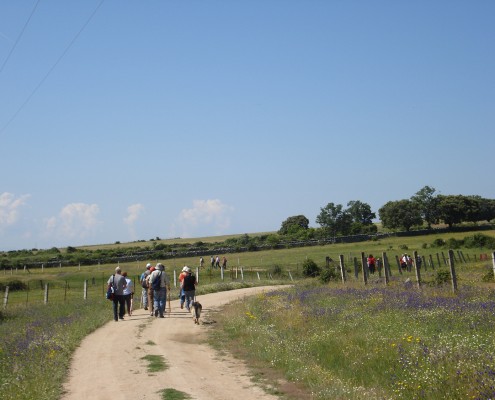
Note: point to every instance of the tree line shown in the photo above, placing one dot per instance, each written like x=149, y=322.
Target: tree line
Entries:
x=425, y=207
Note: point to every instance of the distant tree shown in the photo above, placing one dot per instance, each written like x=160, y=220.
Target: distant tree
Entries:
x=487, y=209
x=293, y=224
x=361, y=212
x=334, y=219
x=452, y=209
x=428, y=204
x=401, y=214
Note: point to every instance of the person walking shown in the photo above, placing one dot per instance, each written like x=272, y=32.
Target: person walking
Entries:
x=128, y=293
x=224, y=262
x=371, y=264
x=182, y=296
x=144, y=286
x=212, y=260
x=150, y=291
x=117, y=281
x=159, y=283
x=201, y=262
x=189, y=286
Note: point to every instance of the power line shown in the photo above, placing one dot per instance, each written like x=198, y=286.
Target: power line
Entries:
x=19, y=36
x=52, y=68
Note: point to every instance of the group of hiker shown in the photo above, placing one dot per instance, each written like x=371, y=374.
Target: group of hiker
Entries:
x=123, y=293
x=215, y=262
x=155, y=284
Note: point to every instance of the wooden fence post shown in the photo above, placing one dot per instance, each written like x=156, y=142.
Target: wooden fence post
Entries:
x=384, y=261
x=416, y=267
x=242, y=274
x=342, y=268
x=397, y=260
x=452, y=271
x=424, y=262
x=6, y=297
x=444, y=259
x=197, y=274
x=438, y=260
x=493, y=262
x=431, y=262
x=364, y=266
x=356, y=268
x=85, y=289
x=46, y=293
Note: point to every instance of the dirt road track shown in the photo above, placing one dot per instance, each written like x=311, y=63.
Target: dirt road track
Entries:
x=108, y=363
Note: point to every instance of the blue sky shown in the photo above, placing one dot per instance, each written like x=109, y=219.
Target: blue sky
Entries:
x=199, y=118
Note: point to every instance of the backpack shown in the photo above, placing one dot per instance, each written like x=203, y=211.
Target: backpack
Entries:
x=156, y=283
x=144, y=284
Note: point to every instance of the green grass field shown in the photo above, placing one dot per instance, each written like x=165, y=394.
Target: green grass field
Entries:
x=334, y=340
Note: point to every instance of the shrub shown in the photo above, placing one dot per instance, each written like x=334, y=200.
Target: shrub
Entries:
x=454, y=243
x=438, y=243
x=403, y=247
x=479, y=240
x=488, y=276
x=442, y=277
x=328, y=274
x=276, y=270
x=310, y=269
x=424, y=246
x=13, y=286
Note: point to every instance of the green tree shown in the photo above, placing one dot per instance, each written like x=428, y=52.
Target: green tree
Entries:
x=294, y=224
x=334, y=219
x=427, y=201
x=361, y=212
x=452, y=209
x=401, y=214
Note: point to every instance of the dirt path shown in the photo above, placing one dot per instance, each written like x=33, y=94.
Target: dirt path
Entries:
x=108, y=363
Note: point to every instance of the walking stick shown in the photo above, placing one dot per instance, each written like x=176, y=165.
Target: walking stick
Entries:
x=169, y=306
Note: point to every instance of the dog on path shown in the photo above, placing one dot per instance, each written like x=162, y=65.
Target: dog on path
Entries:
x=196, y=308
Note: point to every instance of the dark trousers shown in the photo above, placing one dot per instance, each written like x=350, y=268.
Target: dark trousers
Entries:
x=118, y=306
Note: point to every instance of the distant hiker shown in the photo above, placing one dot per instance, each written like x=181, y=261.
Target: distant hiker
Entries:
x=201, y=262
x=144, y=286
x=217, y=262
x=371, y=264
x=150, y=292
x=182, y=296
x=118, y=283
x=189, y=286
x=224, y=262
x=128, y=293
x=159, y=284
x=212, y=260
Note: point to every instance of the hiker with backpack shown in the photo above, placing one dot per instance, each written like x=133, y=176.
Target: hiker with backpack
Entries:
x=189, y=286
x=159, y=284
x=117, y=281
x=144, y=286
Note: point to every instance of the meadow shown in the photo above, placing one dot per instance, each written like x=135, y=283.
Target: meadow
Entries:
x=336, y=340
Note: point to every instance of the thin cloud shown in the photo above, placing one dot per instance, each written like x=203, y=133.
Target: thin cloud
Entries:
x=9, y=208
x=206, y=216
x=134, y=211
x=75, y=221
